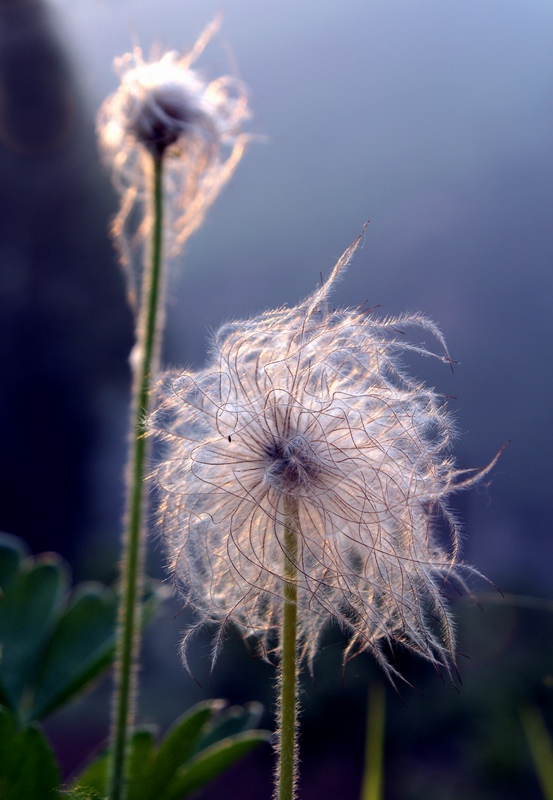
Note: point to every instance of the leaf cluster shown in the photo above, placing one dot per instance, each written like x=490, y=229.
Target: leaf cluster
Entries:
x=55, y=641
x=199, y=746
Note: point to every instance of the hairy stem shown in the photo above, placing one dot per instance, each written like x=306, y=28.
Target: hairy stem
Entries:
x=128, y=634
x=287, y=752
x=373, y=777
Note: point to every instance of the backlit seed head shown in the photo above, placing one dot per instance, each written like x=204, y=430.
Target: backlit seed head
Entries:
x=164, y=104
x=311, y=409
x=165, y=109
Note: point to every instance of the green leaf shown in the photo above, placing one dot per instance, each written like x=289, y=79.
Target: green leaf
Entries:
x=93, y=777
x=174, y=751
x=51, y=650
x=141, y=758
x=176, y=767
x=210, y=763
x=154, y=593
x=82, y=793
x=28, y=612
x=12, y=552
x=231, y=721
x=81, y=647
x=28, y=768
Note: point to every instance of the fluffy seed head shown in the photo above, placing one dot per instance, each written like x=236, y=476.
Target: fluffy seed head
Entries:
x=163, y=108
x=162, y=104
x=311, y=409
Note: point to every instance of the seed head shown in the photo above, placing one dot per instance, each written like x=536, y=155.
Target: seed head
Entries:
x=311, y=409
x=165, y=109
x=162, y=104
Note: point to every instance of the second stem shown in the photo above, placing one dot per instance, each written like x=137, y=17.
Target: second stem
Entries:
x=287, y=755
x=145, y=368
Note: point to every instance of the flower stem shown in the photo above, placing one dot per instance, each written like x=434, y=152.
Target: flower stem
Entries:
x=287, y=753
x=128, y=633
x=372, y=786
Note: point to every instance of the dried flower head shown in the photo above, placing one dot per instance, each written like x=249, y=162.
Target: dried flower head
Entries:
x=163, y=108
x=310, y=409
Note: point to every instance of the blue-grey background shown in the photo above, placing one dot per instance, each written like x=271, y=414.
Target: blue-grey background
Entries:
x=433, y=119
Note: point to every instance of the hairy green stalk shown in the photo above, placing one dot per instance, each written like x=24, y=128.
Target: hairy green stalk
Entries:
x=287, y=747
x=541, y=748
x=373, y=777
x=128, y=633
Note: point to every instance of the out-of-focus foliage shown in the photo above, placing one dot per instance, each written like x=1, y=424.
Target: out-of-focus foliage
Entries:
x=541, y=747
x=199, y=746
x=28, y=768
x=55, y=639
x=54, y=642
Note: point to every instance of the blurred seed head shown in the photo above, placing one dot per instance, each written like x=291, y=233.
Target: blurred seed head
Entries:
x=164, y=109
x=162, y=104
x=313, y=406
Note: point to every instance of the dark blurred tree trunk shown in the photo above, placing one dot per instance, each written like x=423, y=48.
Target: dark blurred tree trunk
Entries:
x=65, y=331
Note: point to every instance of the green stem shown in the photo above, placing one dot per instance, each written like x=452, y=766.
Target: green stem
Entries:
x=541, y=748
x=373, y=778
x=128, y=634
x=287, y=766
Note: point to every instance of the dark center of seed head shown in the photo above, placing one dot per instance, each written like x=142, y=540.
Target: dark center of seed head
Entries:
x=158, y=132
x=291, y=463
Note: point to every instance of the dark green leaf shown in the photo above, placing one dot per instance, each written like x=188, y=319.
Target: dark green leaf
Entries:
x=28, y=612
x=83, y=644
x=140, y=760
x=175, y=768
x=81, y=647
x=12, y=552
x=233, y=720
x=82, y=793
x=153, y=595
x=50, y=652
x=28, y=768
x=7, y=735
x=174, y=751
x=93, y=777
x=211, y=762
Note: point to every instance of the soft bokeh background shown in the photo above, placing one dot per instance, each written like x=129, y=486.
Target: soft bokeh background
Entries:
x=432, y=119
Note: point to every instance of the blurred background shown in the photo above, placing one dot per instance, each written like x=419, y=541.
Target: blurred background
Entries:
x=434, y=121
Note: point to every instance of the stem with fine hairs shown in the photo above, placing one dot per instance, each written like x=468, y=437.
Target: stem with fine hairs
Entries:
x=128, y=631
x=288, y=678
x=373, y=774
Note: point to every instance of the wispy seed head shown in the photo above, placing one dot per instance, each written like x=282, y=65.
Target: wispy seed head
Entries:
x=162, y=104
x=163, y=108
x=314, y=407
